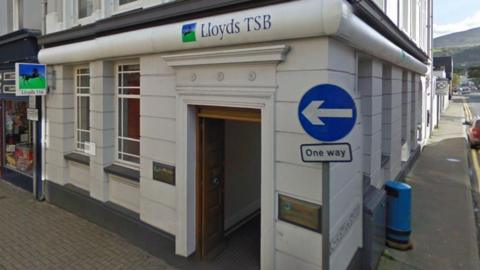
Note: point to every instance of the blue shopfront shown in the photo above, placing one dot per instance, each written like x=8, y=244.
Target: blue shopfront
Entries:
x=20, y=147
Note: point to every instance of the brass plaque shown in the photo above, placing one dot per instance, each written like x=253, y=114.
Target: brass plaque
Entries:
x=163, y=173
x=300, y=213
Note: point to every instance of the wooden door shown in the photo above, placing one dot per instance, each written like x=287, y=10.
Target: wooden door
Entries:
x=212, y=185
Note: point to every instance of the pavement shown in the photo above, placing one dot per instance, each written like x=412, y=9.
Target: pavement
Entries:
x=443, y=221
x=38, y=235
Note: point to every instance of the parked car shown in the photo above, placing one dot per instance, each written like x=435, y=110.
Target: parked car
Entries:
x=465, y=90
x=473, y=133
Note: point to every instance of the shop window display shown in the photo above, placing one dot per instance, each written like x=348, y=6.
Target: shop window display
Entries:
x=18, y=137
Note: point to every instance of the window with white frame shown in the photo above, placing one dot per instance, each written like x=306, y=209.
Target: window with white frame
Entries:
x=84, y=8
x=392, y=10
x=82, y=108
x=124, y=2
x=126, y=5
x=128, y=112
x=380, y=4
x=17, y=15
x=405, y=16
x=120, y=6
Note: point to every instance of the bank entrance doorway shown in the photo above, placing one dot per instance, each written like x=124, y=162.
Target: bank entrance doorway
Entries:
x=228, y=183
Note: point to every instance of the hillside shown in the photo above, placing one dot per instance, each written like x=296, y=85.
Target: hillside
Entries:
x=459, y=39
x=464, y=47
x=462, y=57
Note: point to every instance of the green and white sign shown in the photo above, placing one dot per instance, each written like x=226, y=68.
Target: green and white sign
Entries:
x=31, y=79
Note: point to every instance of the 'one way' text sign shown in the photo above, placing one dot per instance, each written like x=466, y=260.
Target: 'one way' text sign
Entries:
x=328, y=152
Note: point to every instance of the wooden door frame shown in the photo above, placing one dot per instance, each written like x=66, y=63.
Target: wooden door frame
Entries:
x=185, y=236
x=213, y=112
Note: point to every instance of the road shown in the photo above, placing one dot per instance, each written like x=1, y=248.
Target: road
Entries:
x=474, y=103
x=472, y=111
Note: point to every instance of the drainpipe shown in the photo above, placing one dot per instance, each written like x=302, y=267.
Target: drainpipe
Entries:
x=41, y=122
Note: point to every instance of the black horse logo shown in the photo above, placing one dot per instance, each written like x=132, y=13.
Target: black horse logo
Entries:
x=33, y=75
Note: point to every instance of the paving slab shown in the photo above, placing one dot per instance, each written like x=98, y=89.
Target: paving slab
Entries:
x=38, y=235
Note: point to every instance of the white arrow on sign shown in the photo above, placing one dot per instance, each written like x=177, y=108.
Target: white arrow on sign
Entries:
x=313, y=113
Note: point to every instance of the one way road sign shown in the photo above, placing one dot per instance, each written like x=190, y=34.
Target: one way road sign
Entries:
x=313, y=113
x=327, y=112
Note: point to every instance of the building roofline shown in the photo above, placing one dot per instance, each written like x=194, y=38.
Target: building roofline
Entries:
x=194, y=9
x=18, y=35
x=368, y=11
x=154, y=16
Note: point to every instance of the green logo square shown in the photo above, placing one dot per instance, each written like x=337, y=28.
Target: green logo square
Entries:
x=188, y=32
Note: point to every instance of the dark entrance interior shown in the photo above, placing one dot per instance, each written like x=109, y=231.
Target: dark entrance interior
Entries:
x=228, y=186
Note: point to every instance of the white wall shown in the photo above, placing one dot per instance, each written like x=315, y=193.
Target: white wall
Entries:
x=242, y=170
x=158, y=136
x=31, y=14
x=79, y=175
x=5, y=17
x=63, y=14
x=165, y=93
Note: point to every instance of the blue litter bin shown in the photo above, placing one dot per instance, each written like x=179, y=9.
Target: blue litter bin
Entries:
x=399, y=209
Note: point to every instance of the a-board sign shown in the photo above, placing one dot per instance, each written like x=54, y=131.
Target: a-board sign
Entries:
x=327, y=112
x=326, y=152
x=30, y=79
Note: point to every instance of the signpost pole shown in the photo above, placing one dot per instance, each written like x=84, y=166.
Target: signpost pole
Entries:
x=35, y=161
x=327, y=113
x=326, y=216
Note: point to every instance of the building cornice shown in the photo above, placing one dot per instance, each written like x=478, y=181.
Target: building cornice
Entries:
x=154, y=16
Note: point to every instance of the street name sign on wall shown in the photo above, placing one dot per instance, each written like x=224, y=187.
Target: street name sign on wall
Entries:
x=327, y=112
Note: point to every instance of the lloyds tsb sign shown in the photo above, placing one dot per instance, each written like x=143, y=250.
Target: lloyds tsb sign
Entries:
x=192, y=31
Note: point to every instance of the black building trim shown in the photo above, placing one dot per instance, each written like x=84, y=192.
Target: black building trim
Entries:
x=369, y=12
x=18, y=46
x=18, y=179
x=19, y=35
x=158, y=15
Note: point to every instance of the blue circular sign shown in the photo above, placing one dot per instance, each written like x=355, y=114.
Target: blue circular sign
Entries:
x=327, y=112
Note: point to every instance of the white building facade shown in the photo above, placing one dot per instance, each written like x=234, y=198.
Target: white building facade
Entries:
x=182, y=118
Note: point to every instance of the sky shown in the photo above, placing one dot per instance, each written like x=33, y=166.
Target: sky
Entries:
x=451, y=16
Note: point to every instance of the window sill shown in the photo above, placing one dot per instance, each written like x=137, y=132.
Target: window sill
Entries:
x=123, y=171
x=79, y=158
